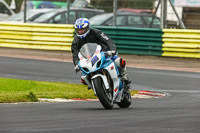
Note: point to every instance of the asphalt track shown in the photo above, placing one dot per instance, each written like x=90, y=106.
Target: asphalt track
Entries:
x=179, y=112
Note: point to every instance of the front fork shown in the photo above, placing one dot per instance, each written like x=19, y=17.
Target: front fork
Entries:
x=88, y=80
x=105, y=81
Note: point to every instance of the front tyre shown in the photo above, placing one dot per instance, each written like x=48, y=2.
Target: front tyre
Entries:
x=105, y=97
x=126, y=100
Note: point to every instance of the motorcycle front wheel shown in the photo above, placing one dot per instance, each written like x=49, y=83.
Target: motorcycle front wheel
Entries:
x=105, y=97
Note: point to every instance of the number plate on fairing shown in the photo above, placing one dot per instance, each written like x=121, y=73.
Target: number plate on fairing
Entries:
x=94, y=60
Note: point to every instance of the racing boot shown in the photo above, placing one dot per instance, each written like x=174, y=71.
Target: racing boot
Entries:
x=121, y=64
x=124, y=75
x=85, y=81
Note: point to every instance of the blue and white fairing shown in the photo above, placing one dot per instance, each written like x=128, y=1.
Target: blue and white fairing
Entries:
x=92, y=59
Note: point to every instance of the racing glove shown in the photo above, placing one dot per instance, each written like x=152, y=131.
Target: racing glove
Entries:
x=76, y=69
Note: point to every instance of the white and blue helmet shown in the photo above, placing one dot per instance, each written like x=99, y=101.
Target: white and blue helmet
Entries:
x=82, y=27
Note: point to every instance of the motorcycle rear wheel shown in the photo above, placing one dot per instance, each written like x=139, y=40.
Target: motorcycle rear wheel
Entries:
x=105, y=98
x=126, y=101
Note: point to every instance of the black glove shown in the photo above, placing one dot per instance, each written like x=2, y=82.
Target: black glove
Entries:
x=76, y=69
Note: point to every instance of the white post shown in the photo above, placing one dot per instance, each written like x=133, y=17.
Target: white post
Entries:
x=162, y=14
x=13, y=5
x=114, y=12
x=68, y=11
x=180, y=21
x=25, y=11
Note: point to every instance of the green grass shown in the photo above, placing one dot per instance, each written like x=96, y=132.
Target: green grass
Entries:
x=14, y=90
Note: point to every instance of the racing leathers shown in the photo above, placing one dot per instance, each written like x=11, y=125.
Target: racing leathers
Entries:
x=94, y=36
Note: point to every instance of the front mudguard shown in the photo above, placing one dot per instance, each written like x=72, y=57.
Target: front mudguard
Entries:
x=104, y=79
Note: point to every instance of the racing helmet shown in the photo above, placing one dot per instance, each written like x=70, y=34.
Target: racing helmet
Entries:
x=82, y=27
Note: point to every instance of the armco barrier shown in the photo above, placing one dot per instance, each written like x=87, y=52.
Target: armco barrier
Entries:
x=36, y=36
x=141, y=41
x=181, y=43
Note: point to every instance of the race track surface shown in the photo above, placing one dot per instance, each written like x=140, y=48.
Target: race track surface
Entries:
x=178, y=112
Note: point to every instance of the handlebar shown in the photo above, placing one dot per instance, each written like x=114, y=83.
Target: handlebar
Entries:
x=110, y=53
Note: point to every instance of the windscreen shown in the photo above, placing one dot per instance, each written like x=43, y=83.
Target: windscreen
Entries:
x=88, y=50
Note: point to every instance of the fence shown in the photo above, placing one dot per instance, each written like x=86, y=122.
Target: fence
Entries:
x=140, y=41
x=36, y=36
x=156, y=42
x=188, y=11
x=181, y=43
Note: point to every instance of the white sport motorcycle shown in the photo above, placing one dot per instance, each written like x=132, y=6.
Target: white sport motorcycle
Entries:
x=102, y=75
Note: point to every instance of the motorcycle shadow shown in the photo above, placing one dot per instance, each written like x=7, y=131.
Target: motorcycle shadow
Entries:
x=101, y=108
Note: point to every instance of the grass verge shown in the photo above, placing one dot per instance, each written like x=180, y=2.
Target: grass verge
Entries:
x=15, y=90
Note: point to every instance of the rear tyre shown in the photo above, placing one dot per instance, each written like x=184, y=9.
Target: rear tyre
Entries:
x=105, y=97
x=126, y=101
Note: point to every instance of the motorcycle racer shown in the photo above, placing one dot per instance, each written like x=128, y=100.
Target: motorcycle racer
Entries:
x=86, y=34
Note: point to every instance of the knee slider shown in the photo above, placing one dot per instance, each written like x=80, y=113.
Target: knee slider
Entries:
x=83, y=80
x=122, y=63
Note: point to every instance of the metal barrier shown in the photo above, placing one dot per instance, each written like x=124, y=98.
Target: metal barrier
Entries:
x=36, y=36
x=181, y=43
x=141, y=41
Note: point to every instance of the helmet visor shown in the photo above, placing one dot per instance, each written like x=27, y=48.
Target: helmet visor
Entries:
x=81, y=31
